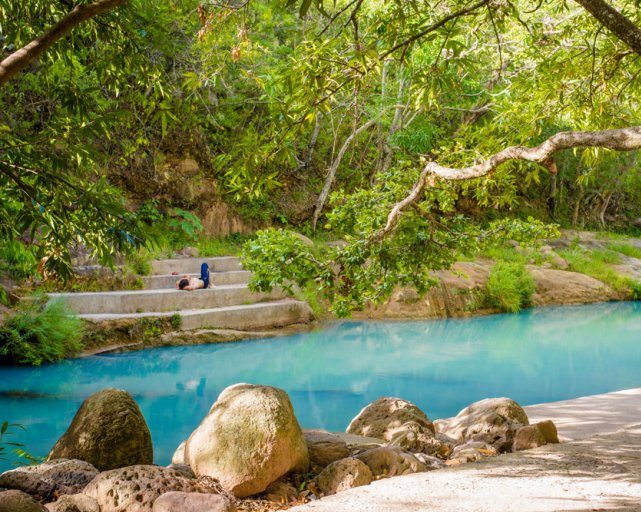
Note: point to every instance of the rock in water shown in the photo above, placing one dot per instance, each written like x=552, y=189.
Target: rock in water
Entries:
x=193, y=502
x=398, y=422
x=249, y=439
x=108, y=431
x=342, y=475
x=136, y=488
x=18, y=501
x=493, y=421
x=324, y=447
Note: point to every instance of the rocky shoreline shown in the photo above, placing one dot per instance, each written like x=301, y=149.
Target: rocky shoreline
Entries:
x=250, y=454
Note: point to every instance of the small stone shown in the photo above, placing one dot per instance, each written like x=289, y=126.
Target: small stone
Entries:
x=281, y=492
x=391, y=461
x=74, y=503
x=548, y=429
x=18, y=501
x=193, y=502
x=528, y=437
x=183, y=469
x=342, y=475
x=108, y=431
x=325, y=448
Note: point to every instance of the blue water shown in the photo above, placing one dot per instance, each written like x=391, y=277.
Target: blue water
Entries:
x=536, y=356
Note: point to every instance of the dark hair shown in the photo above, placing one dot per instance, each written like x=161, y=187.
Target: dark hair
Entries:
x=183, y=283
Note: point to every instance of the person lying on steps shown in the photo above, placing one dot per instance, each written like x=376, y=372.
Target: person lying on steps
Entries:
x=189, y=283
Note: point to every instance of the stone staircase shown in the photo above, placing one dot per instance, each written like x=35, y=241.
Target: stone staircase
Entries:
x=229, y=305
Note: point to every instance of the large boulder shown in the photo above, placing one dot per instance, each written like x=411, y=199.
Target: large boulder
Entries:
x=324, y=447
x=136, y=488
x=193, y=502
x=342, y=475
x=493, y=421
x=74, y=503
x=108, y=431
x=18, y=501
x=249, y=439
x=398, y=422
x=61, y=476
x=387, y=461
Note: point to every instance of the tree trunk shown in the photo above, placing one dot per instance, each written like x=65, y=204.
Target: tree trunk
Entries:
x=20, y=59
x=616, y=22
x=331, y=174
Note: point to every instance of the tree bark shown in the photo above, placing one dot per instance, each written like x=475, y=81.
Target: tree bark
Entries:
x=622, y=139
x=615, y=22
x=21, y=58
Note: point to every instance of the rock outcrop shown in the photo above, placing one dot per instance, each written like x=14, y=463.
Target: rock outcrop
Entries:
x=108, y=431
x=249, y=439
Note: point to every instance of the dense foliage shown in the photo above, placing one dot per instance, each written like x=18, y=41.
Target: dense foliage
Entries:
x=317, y=116
x=39, y=332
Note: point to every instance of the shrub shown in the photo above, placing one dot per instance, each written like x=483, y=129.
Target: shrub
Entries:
x=39, y=332
x=510, y=286
x=17, y=260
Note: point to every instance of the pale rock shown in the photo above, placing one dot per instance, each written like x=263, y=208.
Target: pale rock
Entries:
x=249, y=439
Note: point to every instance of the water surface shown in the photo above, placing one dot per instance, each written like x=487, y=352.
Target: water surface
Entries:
x=539, y=355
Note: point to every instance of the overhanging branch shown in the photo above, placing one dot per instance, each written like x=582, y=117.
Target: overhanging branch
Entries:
x=623, y=139
x=20, y=59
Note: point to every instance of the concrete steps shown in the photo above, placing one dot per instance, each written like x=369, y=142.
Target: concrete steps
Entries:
x=162, y=300
x=247, y=317
x=229, y=305
x=167, y=281
x=192, y=265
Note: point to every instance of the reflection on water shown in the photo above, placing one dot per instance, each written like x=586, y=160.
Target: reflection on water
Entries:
x=536, y=356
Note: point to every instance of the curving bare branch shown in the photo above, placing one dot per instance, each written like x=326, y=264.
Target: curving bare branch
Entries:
x=622, y=139
x=21, y=58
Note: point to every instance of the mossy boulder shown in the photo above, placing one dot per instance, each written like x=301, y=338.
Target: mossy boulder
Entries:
x=249, y=439
x=108, y=431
